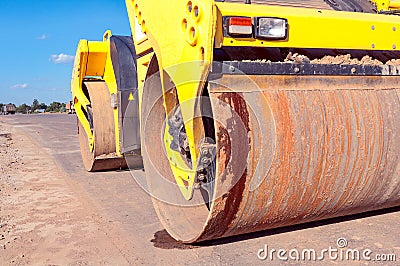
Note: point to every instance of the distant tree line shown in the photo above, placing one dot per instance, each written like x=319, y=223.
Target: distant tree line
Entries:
x=36, y=107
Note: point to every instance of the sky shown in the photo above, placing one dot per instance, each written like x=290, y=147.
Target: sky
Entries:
x=39, y=40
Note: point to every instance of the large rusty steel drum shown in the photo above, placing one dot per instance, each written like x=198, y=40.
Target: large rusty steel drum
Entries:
x=289, y=149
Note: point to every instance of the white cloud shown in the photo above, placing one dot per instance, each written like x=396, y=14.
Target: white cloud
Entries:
x=20, y=86
x=62, y=58
x=42, y=37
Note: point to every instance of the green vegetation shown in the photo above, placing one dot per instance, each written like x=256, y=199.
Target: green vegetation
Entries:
x=36, y=106
x=55, y=107
x=23, y=109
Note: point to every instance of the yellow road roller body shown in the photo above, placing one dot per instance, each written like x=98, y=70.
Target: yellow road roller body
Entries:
x=247, y=115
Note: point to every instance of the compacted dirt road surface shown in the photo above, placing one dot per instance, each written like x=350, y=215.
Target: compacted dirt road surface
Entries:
x=52, y=212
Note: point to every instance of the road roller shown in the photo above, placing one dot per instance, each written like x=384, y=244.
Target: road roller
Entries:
x=247, y=115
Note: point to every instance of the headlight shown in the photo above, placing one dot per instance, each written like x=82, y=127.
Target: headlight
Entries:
x=271, y=28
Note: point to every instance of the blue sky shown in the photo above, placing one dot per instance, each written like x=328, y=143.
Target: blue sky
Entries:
x=39, y=39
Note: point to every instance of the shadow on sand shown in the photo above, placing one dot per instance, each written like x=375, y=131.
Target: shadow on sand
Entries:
x=164, y=241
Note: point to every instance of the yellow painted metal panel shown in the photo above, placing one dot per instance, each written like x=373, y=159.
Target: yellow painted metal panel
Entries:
x=381, y=4
x=93, y=59
x=395, y=5
x=312, y=28
x=385, y=5
x=97, y=56
x=182, y=37
x=80, y=99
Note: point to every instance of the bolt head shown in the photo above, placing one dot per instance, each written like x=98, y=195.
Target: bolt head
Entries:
x=201, y=177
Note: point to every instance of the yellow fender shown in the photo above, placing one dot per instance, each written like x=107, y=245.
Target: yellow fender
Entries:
x=93, y=60
x=385, y=5
x=183, y=43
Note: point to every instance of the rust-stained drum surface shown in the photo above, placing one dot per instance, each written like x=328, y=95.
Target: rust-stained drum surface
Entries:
x=289, y=150
x=312, y=153
x=103, y=156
